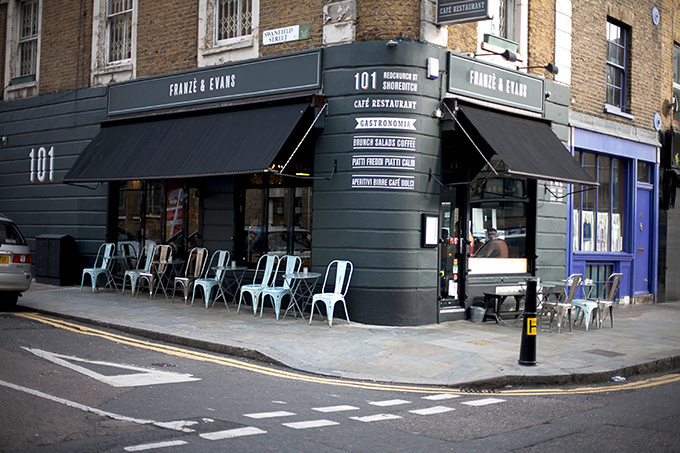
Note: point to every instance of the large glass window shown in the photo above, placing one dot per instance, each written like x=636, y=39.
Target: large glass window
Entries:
x=499, y=225
x=28, y=37
x=119, y=29
x=277, y=218
x=599, y=212
x=617, y=43
x=234, y=18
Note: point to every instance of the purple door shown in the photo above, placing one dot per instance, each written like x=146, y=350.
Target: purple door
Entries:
x=642, y=240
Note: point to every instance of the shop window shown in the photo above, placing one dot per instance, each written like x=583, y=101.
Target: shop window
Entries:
x=617, y=68
x=676, y=86
x=598, y=217
x=499, y=225
x=159, y=213
x=227, y=31
x=644, y=172
x=23, y=56
x=114, y=45
x=598, y=273
x=277, y=219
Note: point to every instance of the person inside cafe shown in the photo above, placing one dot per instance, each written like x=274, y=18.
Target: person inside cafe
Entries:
x=494, y=247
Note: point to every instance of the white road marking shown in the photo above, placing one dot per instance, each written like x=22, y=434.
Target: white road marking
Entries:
x=231, y=433
x=335, y=408
x=270, y=414
x=441, y=396
x=144, y=447
x=388, y=403
x=432, y=410
x=484, y=402
x=311, y=424
x=144, y=376
x=92, y=410
x=376, y=418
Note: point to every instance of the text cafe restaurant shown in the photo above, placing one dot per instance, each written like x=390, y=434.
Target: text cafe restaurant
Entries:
x=399, y=156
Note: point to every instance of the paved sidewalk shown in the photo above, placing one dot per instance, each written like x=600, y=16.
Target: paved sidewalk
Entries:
x=645, y=338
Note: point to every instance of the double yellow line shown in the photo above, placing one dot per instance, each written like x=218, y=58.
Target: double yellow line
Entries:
x=268, y=371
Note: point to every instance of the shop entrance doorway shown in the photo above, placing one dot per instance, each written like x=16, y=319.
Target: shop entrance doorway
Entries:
x=453, y=246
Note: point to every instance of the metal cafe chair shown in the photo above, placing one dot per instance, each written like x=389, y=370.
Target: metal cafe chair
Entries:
x=192, y=271
x=343, y=275
x=154, y=277
x=133, y=274
x=213, y=276
x=277, y=293
x=103, y=265
x=564, y=303
x=268, y=262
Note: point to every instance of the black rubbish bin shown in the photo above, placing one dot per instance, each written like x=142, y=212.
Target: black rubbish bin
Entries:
x=57, y=261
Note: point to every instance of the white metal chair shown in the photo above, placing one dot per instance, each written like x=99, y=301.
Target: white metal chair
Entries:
x=563, y=305
x=600, y=304
x=103, y=264
x=192, y=270
x=586, y=307
x=133, y=274
x=128, y=255
x=213, y=277
x=268, y=262
x=277, y=293
x=343, y=275
x=154, y=277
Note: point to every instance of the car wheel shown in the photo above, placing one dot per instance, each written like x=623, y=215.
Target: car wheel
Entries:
x=8, y=300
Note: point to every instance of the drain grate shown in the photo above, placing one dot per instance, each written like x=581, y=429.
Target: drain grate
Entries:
x=605, y=353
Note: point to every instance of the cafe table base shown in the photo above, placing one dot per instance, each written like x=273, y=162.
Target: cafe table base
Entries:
x=302, y=289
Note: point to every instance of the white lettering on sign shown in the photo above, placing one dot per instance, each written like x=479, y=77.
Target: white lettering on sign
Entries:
x=383, y=142
x=492, y=82
x=461, y=8
x=40, y=162
x=383, y=182
x=400, y=81
x=386, y=123
x=193, y=86
x=390, y=162
x=385, y=104
x=280, y=35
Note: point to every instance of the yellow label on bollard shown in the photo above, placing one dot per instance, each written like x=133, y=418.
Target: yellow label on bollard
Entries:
x=531, y=326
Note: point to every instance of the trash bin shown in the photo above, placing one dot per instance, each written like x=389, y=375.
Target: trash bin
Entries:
x=477, y=313
x=57, y=261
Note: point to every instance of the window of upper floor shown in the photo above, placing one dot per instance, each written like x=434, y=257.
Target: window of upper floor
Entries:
x=114, y=36
x=617, y=93
x=22, y=48
x=228, y=31
x=676, y=86
x=507, y=30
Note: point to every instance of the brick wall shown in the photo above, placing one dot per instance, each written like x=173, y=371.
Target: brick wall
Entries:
x=650, y=53
x=276, y=14
x=541, y=45
x=388, y=19
x=66, y=44
x=463, y=37
x=167, y=37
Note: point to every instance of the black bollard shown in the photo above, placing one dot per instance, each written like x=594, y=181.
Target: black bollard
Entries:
x=527, y=351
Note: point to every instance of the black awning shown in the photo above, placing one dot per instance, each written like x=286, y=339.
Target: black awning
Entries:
x=528, y=147
x=245, y=141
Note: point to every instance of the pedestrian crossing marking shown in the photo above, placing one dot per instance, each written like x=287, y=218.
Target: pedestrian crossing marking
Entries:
x=432, y=410
x=232, y=433
x=155, y=445
x=441, y=396
x=388, y=403
x=376, y=418
x=483, y=402
x=310, y=424
x=335, y=408
x=270, y=414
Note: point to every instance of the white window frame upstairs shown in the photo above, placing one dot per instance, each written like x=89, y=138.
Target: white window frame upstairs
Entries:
x=20, y=85
x=214, y=51
x=104, y=70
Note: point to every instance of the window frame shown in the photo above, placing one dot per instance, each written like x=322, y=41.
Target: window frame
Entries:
x=110, y=17
x=236, y=38
x=620, y=106
x=212, y=51
x=31, y=39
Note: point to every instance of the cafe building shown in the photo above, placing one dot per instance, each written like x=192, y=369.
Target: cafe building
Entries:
x=438, y=175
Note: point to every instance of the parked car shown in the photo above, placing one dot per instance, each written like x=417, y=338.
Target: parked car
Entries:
x=15, y=263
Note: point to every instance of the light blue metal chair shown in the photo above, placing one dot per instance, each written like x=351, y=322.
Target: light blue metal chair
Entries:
x=343, y=276
x=600, y=304
x=564, y=303
x=277, y=293
x=269, y=264
x=133, y=274
x=154, y=277
x=585, y=307
x=192, y=271
x=213, y=277
x=103, y=264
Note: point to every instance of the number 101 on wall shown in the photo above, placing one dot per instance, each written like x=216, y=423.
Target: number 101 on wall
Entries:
x=40, y=162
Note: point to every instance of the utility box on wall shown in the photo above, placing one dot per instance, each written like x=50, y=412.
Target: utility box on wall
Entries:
x=57, y=261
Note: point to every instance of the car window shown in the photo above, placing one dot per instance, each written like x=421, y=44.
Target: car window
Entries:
x=9, y=234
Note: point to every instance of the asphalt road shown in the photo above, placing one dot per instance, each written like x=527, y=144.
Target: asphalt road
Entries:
x=71, y=387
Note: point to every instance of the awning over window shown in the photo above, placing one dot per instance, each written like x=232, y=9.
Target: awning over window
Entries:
x=245, y=141
x=528, y=147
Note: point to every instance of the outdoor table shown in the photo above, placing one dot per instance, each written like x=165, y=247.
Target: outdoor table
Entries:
x=234, y=286
x=173, y=268
x=301, y=290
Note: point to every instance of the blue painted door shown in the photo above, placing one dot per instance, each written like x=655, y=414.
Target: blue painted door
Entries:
x=642, y=240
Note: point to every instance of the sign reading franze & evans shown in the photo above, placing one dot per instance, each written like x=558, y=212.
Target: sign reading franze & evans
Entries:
x=278, y=75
